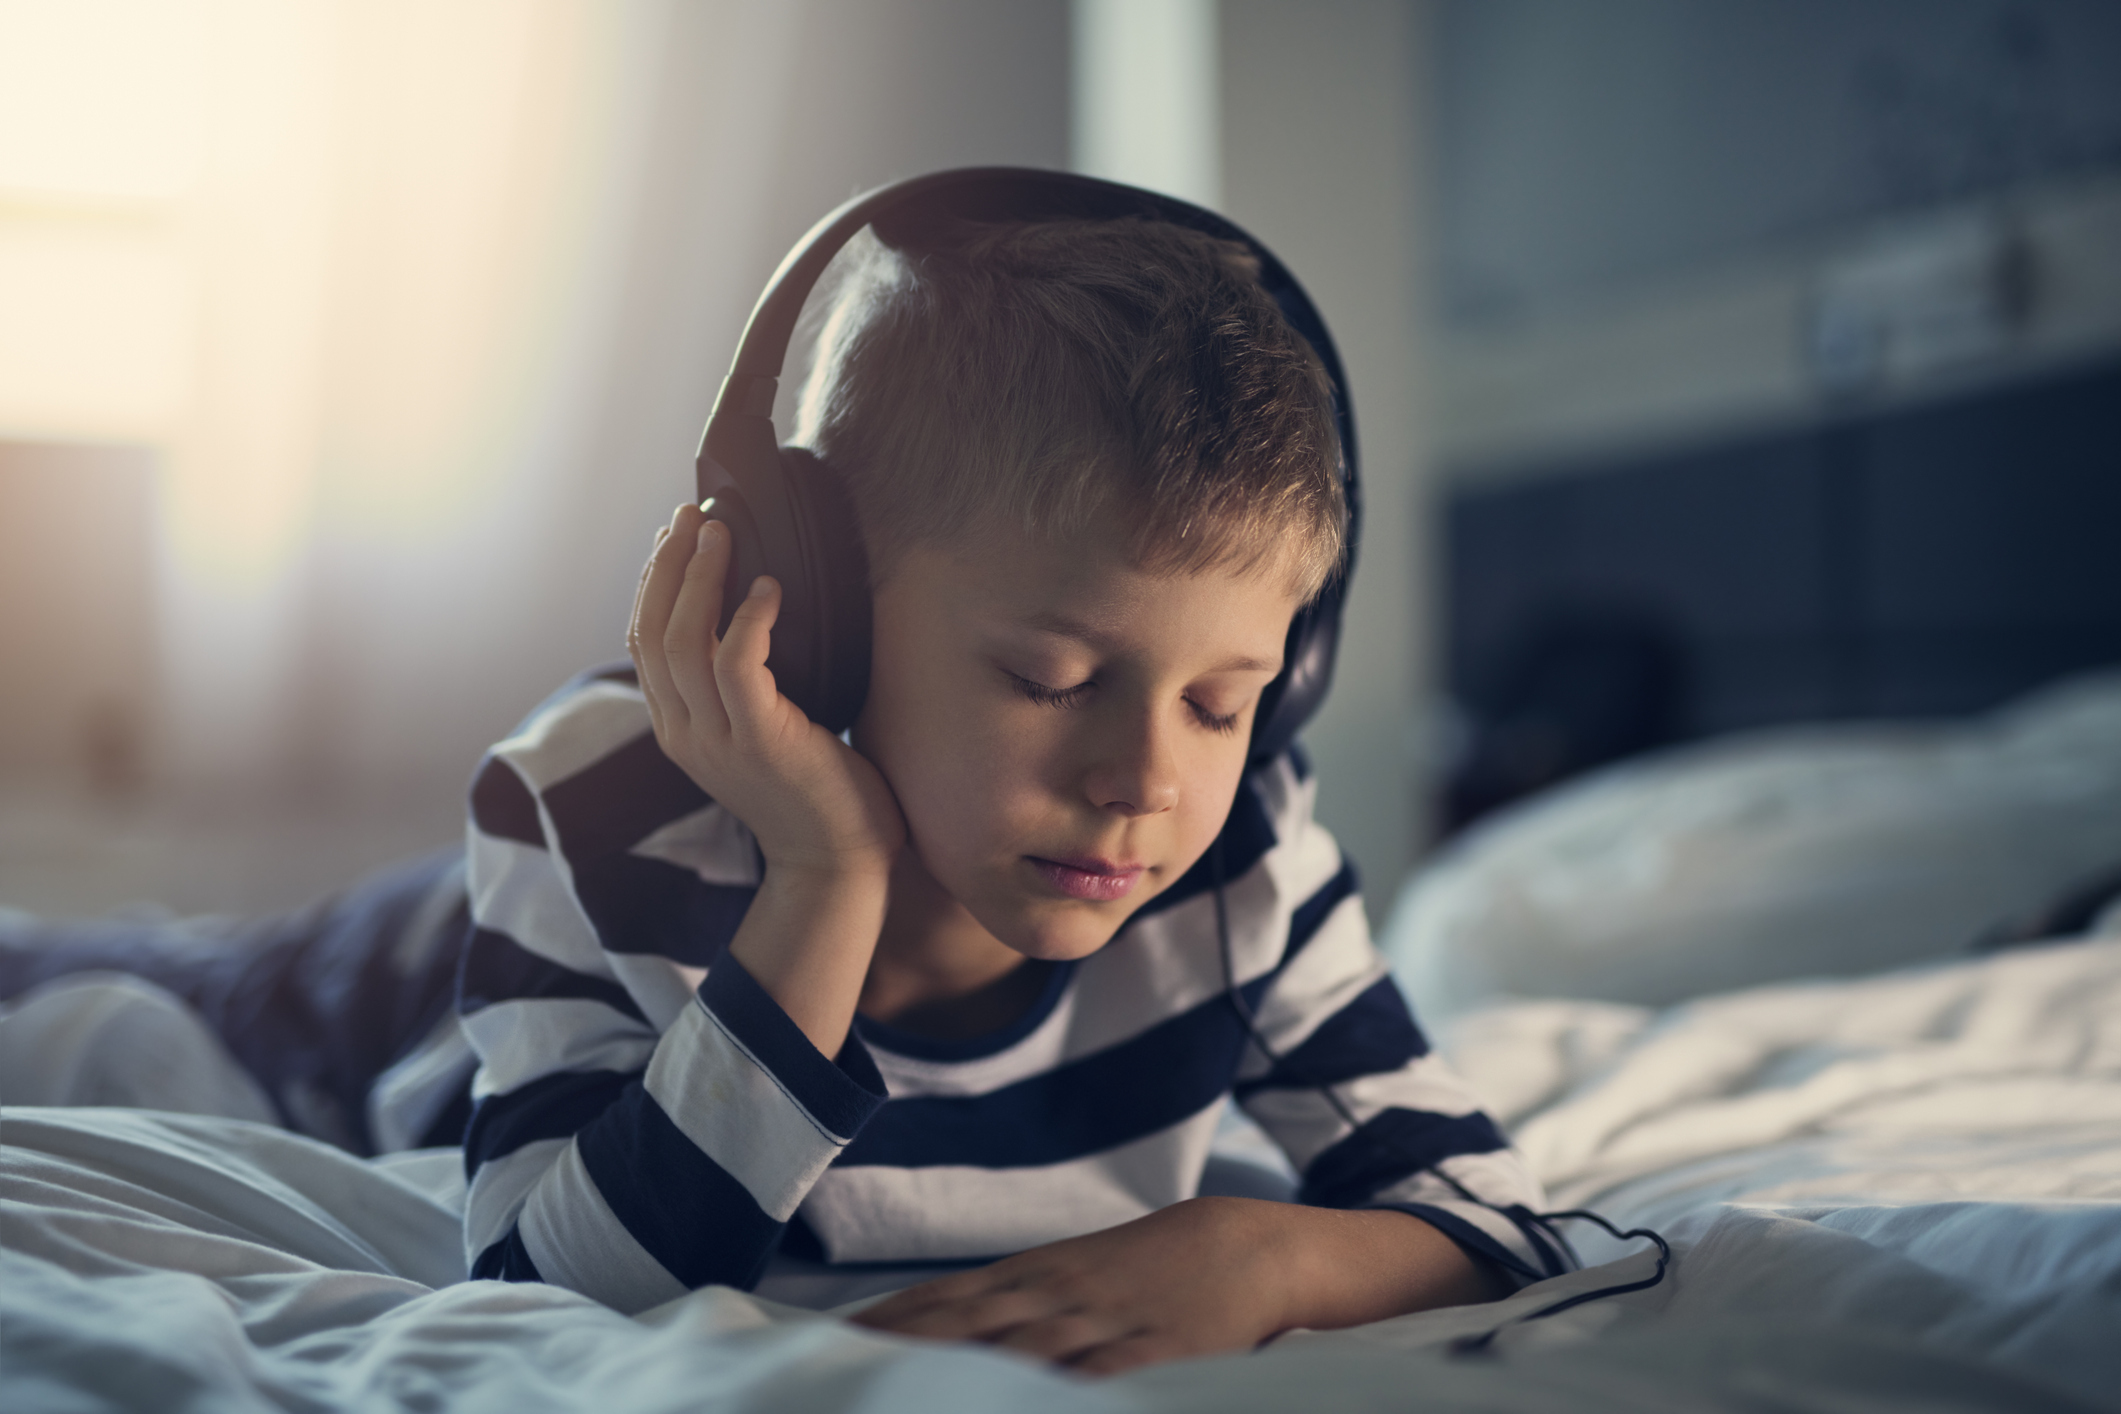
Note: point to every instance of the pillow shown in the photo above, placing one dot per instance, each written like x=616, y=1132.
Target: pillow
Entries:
x=1831, y=850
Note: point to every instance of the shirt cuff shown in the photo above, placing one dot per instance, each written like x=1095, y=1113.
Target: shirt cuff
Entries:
x=840, y=1095
x=1504, y=1238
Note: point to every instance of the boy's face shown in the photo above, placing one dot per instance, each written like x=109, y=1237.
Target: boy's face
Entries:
x=1064, y=731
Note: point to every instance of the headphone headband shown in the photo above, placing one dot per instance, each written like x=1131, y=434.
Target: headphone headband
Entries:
x=776, y=513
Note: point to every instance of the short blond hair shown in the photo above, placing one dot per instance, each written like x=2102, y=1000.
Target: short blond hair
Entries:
x=1058, y=375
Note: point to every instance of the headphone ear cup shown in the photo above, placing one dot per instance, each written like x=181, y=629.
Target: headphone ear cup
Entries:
x=833, y=681
x=1307, y=672
x=1313, y=644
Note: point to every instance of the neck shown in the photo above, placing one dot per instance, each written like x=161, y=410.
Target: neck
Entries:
x=936, y=971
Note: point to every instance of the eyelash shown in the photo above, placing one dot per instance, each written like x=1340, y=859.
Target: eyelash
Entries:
x=1050, y=696
x=1068, y=696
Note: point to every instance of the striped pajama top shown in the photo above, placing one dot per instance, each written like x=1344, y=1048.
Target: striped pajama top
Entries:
x=635, y=1137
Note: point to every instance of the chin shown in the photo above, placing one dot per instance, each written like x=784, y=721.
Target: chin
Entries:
x=1063, y=939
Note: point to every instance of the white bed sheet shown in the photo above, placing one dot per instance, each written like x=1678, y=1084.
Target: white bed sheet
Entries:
x=1897, y=1193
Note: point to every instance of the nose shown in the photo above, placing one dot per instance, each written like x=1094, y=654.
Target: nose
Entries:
x=1135, y=771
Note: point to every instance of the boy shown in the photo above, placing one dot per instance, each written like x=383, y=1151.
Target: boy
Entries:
x=954, y=987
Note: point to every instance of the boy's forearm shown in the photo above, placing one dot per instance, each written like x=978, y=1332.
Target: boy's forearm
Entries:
x=1353, y=1267
x=807, y=939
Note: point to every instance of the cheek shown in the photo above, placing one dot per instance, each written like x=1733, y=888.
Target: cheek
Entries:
x=1210, y=787
x=967, y=776
x=967, y=789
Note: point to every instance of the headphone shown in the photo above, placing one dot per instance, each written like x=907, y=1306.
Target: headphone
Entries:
x=789, y=516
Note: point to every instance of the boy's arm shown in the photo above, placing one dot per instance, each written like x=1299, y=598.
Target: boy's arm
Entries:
x=632, y=1138
x=1370, y=1116
x=823, y=816
x=628, y=1158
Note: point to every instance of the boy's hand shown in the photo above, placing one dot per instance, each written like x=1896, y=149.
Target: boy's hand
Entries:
x=815, y=805
x=1199, y=1277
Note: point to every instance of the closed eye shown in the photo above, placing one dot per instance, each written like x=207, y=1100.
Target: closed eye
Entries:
x=1051, y=696
x=1222, y=724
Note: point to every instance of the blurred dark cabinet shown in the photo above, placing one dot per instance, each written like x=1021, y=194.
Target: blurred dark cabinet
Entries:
x=1931, y=560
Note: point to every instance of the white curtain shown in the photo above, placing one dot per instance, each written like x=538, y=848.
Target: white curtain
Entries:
x=422, y=306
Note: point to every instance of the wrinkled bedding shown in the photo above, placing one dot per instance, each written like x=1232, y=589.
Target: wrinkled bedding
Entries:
x=1900, y=1192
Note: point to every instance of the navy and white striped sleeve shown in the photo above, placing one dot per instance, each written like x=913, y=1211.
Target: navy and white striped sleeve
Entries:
x=632, y=1137
x=1400, y=1129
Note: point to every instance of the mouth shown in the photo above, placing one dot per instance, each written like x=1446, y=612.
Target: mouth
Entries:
x=1091, y=880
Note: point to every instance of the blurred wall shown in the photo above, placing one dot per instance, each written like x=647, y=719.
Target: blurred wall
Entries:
x=1661, y=223
x=1586, y=147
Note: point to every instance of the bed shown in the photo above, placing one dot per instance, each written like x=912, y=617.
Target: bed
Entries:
x=1895, y=1189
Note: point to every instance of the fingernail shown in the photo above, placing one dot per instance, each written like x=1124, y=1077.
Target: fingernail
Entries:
x=709, y=531
x=760, y=588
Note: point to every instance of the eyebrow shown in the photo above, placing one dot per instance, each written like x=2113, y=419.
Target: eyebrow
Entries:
x=1054, y=622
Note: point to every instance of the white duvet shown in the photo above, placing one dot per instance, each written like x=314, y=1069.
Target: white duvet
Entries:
x=1896, y=1193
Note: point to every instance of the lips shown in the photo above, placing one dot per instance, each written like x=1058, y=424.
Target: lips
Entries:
x=1091, y=880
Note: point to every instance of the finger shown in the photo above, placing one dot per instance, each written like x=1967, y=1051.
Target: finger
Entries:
x=666, y=570
x=633, y=627
x=898, y=1306
x=689, y=636
x=982, y=1317
x=652, y=598
x=1065, y=1336
x=640, y=590
x=1129, y=1352
x=747, y=687
x=655, y=543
